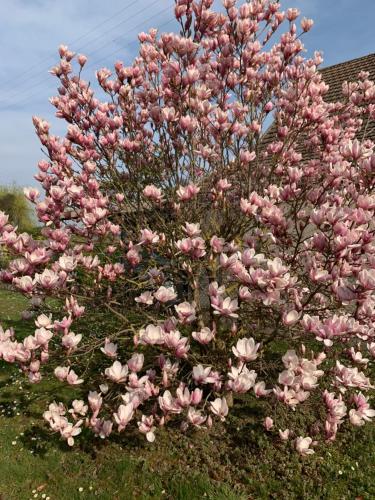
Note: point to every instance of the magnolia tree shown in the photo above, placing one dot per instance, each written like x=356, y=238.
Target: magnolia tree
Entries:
x=206, y=239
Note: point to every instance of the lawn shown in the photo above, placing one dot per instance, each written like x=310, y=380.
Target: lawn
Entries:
x=236, y=461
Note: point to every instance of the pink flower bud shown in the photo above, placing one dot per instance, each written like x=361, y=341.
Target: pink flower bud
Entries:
x=82, y=60
x=268, y=423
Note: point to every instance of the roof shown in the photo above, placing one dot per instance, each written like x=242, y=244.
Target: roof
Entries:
x=334, y=76
x=337, y=74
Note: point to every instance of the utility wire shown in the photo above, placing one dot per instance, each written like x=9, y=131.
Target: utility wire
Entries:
x=41, y=78
x=25, y=99
x=94, y=28
x=119, y=38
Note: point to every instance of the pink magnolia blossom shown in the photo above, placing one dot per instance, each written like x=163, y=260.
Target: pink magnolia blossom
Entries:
x=165, y=294
x=67, y=263
x=303, y=446
x=357, y=357
x=284, y=435
x=196, y=396
x=363, y=412
x=78, y=407
x=217, y=244
x=103, y=388
x=124, y=415
x=268, y=423
x=133, y=256
x=227, y=307
x=44, y=321
x=109, y=349
x=246, y=349
x=48, y=279
x=3, y=219
x=260, y=389
x=153, y=193
x=194, y=247
x=70, y=431
x=183, y=396
x=149, y=237
x=61, y=372
x=117, y=372
x=43, y=336
x=351, y=377
x=25, y=283
x=151, y=335
x=219, y=407
x=135, y=363
x=191, y=229
x=95, y=401
x=203, y=375
x=71, y=340
x=73, y=379
x=73, y=307
x=168, y=404
x=204, y=336
x=306, y=24
x=195, y=417
x=103, y=428
x=146, y=298
x=290, y=318
x=185, y=312
x=367, y=278
x=178, y=344
x=188, y=192
x=241, y=379
x=146, y=427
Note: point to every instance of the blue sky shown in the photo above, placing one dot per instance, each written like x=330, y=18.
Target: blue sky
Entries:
x=32, y=30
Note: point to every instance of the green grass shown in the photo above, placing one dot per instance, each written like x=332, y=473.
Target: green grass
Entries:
x=35, y=462
x=11, y=305
x=235, y=461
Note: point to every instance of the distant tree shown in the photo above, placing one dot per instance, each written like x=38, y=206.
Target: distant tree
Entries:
x=16, y=205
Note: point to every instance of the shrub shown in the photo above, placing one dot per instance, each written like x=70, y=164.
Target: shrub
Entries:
x=207, y=240
x=14, y=203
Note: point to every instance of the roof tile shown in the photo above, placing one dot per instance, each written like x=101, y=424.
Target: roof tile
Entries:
x=334, y=76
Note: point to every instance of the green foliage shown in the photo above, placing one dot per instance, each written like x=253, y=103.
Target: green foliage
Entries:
x=14, y=203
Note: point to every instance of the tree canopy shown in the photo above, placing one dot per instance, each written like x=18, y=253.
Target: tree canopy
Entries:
x=14, y=203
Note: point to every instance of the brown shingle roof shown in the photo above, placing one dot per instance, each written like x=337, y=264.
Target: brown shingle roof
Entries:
x=337, y=74
x=334, y=76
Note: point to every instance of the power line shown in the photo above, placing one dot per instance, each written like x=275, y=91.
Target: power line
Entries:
x=27, y=97
x=94, y=63
x=41, y=79
x=119, y=38
x=94, y=28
